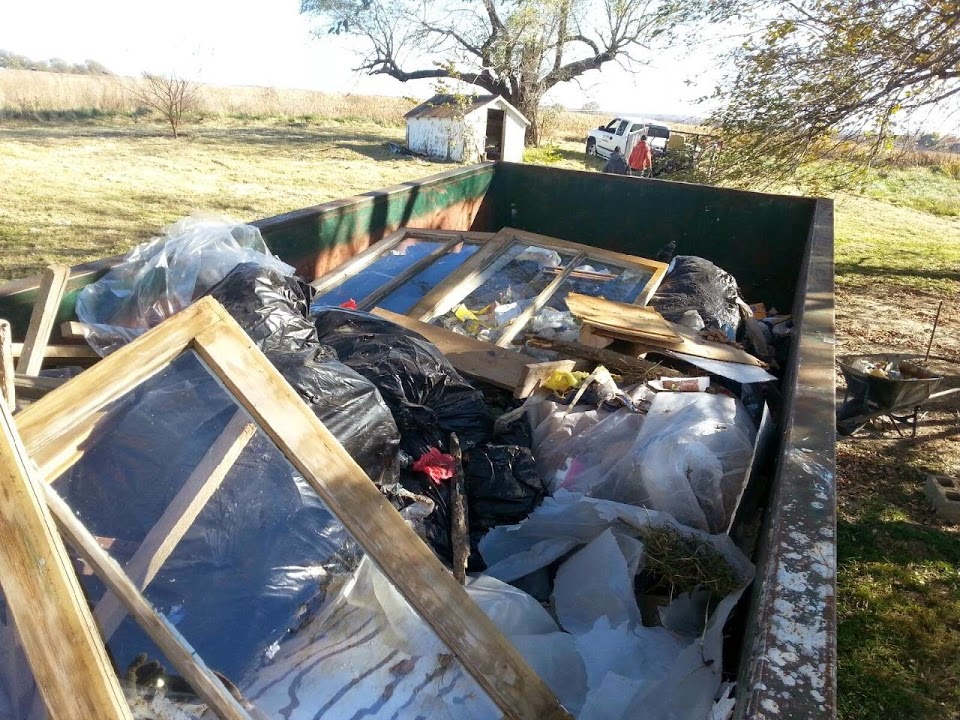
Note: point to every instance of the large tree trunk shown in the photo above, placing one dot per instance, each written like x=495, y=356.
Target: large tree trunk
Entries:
x=529, y=106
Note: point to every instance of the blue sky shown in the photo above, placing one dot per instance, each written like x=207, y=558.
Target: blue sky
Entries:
x=261, y=42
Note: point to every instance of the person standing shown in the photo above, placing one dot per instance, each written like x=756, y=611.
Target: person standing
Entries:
x=641, y=159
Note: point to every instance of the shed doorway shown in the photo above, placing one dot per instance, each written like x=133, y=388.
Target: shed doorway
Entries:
x=493, y=145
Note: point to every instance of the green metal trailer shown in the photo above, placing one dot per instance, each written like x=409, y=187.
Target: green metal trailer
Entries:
x=780, y=249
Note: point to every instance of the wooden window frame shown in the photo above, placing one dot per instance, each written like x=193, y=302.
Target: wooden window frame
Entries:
x=56, y=429
x=470, y=275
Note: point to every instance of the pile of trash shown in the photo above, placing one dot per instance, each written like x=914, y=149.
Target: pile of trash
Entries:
x=598, y=511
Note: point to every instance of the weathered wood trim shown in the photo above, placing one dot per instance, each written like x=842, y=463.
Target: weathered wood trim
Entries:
x=7, y=373
x=70, y=664
x=44, y=316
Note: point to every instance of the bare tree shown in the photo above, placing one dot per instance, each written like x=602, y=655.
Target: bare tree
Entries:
x=515, y=48
x=169, y=95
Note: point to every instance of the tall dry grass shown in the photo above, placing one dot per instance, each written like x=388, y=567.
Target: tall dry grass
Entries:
x=29, y=95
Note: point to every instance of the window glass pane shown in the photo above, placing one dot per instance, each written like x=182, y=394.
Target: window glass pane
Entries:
x=589, y=278
x=636, y=127
x=507, y=288
x=410, y=293
x=623, y=127
x=381, y=271
x=262, y=580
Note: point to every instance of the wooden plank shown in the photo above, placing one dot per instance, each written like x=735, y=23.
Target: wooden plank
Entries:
x=642, y=321
x=7, y=380
x=461, y=282
x=166, y=637
x=34, y=388
x=507, y=369
x=73, y=330
x=180, y=514
x=60, y=352
x=614, y=361
x=52, y=285
x=459, y=521
x=520, y=322
x=357, y=263
x=692, y=344
x=57, y=420
x=408, y=274
x=73, y=672
x=379, y=529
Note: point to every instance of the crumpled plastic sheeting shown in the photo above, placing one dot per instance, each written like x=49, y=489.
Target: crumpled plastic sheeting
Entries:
x=428, y=398
x=164, y=275
x=369, y=654
x=687, y=456
x=632, y=671
x=694, y=283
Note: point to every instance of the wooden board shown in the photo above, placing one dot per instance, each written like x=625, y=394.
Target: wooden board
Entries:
x=507, y=369
x=645, y=322
x=52, y=286
x=7, y=380
x=61, y=352
x=73, y=672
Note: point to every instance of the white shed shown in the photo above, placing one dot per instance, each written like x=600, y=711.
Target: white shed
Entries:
x=485, y=127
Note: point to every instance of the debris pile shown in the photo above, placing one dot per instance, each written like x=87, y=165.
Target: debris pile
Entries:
x=598, y=502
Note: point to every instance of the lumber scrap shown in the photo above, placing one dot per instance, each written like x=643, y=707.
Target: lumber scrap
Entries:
x=504, y=368
x=459, y=527
x=73, y=330
x=183, y=510
x=7, y=380
x=80, y=354
x=73, y=672
x=44, y=315
x=34, y=388
x=635, y=325
x=614, y=361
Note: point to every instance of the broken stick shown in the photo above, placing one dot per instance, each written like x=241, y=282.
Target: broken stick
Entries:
x=612, y=360
x=6, y=367
x=459, y=527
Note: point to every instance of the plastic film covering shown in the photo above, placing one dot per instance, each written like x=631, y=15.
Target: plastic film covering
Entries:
x=631, y=669
x=19, y=696
x=428, y=398
x=160, y=277
x=689, y=455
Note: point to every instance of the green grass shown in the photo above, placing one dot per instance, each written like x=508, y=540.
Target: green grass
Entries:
x=928, y=189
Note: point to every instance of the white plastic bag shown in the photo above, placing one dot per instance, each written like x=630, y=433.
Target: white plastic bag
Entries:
x=164, y=275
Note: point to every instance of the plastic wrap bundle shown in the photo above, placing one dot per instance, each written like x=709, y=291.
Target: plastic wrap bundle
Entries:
x=262, y=550
x=271, y=306
x=688, y=456
x=696, y=284
x=428, y=398
x=162, y=276
x=347, y=404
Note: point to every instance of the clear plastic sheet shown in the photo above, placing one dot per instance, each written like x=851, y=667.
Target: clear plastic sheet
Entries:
x=19, y=696
x=160, y=277
x=688, y=456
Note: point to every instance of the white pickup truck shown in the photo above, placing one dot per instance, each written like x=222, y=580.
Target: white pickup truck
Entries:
x=616, y=133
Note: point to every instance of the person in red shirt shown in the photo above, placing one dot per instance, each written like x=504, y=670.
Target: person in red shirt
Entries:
x=641, y=159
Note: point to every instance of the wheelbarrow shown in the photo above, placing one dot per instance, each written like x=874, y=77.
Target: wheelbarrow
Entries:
x=895, y=387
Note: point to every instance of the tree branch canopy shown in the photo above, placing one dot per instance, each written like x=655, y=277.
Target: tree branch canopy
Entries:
x=835, y=77
x=515, y=48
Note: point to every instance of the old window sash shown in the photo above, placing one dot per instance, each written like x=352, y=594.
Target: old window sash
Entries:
x=56, y=428
x=475, y=271
x=449, y=240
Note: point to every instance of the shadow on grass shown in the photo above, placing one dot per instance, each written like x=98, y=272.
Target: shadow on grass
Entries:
x=874, y=271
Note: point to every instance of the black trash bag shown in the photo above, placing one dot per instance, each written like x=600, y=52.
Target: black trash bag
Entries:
x=347, y=404
x=503, y=486
x=695, y=283
x=272, y=308
x=437, y=524
x=428, y=398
